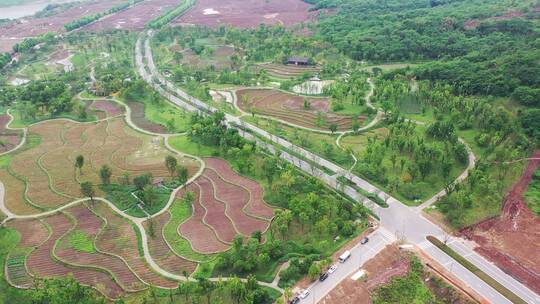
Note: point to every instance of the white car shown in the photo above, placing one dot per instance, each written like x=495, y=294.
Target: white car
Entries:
x=304, y=294
x=332, y=268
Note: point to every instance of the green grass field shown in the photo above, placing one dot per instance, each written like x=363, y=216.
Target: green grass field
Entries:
x=79, y=241
x=532, y=196
x=163, y=113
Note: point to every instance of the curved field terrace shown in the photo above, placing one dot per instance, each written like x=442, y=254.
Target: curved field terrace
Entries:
x=290, y=108
x=224, y=205
x=47, y=170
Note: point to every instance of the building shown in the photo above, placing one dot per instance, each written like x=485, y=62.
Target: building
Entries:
x=299, y=60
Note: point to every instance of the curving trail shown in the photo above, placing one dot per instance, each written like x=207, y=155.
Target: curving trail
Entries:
x=139, y=222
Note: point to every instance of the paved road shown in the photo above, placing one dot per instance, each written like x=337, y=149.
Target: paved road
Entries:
x=404, y=222
x=359, y=255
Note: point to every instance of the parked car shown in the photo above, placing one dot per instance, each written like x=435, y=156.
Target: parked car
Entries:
x=364, y=240
x=294, y=300
x=344, y=257
x=332, y=268
x=323, y=276
x=304, y=294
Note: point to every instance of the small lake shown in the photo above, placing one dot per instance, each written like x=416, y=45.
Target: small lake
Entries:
x=28, y=9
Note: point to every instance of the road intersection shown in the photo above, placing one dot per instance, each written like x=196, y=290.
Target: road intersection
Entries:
x=405, y=223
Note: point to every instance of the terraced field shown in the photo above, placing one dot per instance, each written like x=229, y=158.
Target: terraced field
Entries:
x=224, y=205
x=45, y=175
x=8, y=138
x=290, y=108
x=288, y=71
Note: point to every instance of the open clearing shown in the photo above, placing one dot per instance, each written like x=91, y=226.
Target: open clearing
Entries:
x=225, y=205
x=45, y=168
x=290, y=108
x=246, y=13
x=12, y=33
x=511, y=239
x=135, y=17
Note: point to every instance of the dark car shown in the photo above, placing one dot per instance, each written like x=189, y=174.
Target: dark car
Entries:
x=323, y=276
x=295, y=300
x=364, y=240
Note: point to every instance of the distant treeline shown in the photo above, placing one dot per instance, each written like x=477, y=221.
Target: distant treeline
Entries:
x=75, y=24
x=171, y=14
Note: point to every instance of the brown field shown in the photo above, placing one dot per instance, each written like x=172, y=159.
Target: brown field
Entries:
x=220, y=58
x=42, y=264
x=105, y=109
x=135, y=17
x=246, y=13
x=91, y=225
x=161, y=252
x=33, y=233
x=119, y=238
x=12, y=33
x=8, y=138
x=138, y=118
x=290, y=108
x=287, y=71
x=48, y=168
x=225, y=205
x=512, y=239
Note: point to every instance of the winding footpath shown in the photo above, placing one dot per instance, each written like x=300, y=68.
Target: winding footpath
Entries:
x=403, y=222
x=135, y=220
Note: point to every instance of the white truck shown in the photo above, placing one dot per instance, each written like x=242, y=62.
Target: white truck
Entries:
x=345, y=256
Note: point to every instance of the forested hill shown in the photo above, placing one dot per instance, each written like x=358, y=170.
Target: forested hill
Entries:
x=487, y=47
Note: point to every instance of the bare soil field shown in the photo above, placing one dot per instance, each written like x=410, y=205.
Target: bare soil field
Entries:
x=288, y=71
x=225, y=205
x=12, y=33
x=135, y=17
x=45, y=168
x=290, y=108
x=108, y=108
x=246, y=13
x=42, y=264
x=512, y=239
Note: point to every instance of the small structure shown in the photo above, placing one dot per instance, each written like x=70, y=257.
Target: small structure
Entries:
x=158, y=182
x=299, y=60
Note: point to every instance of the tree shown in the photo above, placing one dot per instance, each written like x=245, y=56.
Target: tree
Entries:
x=149, y=195
x=171, y=163
x=237, y=289
x=142, y=180
x=333, y=128
x=87, y=190
x=314, y=271
x=63, y=290
x=183, y=174
x=79, y=162
x=105, y=173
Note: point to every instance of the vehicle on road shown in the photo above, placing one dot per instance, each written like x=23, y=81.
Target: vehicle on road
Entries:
x=304, y=294
x=323, y=276
x=344, y=257
x=364, y=240
x=332, y=268
x=294, y=300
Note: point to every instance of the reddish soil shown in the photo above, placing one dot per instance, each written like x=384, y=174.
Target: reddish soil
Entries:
x=138, y=118
x=160, y=251
x=215, y=212
x=33, y=233
x=257, y=206
x=110, y=108
x=90, y=224
x=246, y=13
x=135, y=17
x=42, y=264
x=512, y=239
x=290, y=108
x=202, y=237
x=236, y=198
x=14, y=32
x=119, y=238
